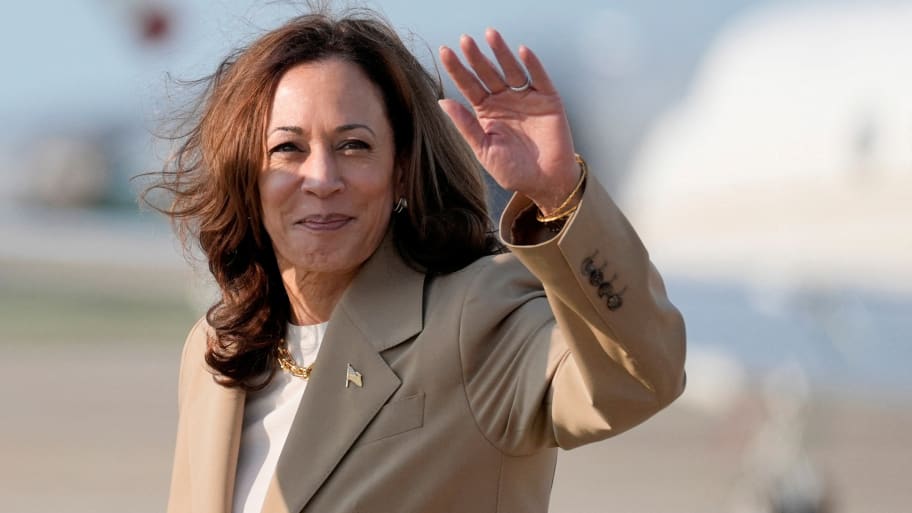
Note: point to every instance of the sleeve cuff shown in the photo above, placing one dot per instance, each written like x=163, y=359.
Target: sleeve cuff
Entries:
x=519, y=227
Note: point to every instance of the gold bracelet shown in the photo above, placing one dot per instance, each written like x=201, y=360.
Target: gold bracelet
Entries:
x=563, y=211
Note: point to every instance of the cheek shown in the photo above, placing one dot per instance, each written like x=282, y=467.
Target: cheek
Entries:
x=380, y=198
x=378, y=209
x=275, y=188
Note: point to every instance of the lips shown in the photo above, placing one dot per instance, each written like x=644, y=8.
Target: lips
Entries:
x=324, y=222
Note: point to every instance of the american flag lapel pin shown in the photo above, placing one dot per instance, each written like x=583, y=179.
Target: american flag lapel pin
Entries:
x=352, y=376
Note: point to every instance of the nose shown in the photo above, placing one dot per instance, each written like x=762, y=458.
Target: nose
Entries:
x=321, y=174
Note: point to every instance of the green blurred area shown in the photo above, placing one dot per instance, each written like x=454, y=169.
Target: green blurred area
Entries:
x=50, y=304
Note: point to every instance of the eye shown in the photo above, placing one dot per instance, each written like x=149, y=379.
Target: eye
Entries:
x=284, y=148
x=354, y=144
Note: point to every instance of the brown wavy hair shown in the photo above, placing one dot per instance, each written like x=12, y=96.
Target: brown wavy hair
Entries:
x=211, y=180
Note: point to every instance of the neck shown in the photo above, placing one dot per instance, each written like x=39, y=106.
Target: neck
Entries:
x=314, y=295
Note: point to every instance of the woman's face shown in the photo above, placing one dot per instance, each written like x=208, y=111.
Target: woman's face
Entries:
x=327, y=186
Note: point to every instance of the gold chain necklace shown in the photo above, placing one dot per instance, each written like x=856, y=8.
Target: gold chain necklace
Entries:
x=287, y=363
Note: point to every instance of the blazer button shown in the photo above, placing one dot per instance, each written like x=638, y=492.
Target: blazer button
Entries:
x=588, y=266
x=595, y=277
x=614, y=302
x=605, y=289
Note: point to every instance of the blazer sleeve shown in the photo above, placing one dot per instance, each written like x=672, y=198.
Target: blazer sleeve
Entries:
x=577, y=344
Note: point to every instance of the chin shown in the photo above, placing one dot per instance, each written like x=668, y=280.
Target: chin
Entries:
x=334, y=260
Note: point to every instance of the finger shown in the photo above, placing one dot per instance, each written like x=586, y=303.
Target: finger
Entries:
x=466, y=81
x=540, y=79
x=465, y=122
x=482, y=66
x=513, y=71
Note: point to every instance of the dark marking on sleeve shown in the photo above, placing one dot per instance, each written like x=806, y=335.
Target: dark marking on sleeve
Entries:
x=604, y=288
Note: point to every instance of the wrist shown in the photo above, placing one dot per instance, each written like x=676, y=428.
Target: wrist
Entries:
x=568, y=202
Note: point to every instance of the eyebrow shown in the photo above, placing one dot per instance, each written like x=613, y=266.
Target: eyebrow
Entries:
x=292, y=129
x=353, y=126
x=342, y=128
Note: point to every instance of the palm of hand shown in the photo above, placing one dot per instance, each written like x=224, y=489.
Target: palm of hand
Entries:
x=521, y=138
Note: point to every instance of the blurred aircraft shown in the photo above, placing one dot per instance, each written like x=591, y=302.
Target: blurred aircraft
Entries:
x=777, y=196
x=779, y=192
x=788, y=167
x=790, y=162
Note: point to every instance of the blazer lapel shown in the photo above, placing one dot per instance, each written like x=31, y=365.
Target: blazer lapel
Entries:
x=380, y=309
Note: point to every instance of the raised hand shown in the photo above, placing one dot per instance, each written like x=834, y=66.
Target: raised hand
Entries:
x=519, y=129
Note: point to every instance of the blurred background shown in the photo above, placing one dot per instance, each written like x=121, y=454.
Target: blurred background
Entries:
x=763, y=150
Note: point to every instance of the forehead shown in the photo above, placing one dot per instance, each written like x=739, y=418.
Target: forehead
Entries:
x=331, y=91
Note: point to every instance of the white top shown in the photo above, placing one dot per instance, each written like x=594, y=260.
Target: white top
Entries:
x=268, y=414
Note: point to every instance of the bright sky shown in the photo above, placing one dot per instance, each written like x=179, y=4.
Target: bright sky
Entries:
x=61, y=58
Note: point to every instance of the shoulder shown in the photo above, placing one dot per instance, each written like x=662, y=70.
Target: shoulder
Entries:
x=193, y=356
x=197, y=341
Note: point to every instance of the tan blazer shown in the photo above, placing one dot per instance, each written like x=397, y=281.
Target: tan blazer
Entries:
x=470, y=380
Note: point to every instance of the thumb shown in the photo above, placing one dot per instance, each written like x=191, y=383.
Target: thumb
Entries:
x=465, y=123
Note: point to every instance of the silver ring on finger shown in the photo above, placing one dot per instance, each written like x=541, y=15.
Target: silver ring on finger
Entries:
x=525, y=85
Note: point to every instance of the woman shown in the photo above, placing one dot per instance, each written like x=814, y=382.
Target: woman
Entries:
x=373, y=349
